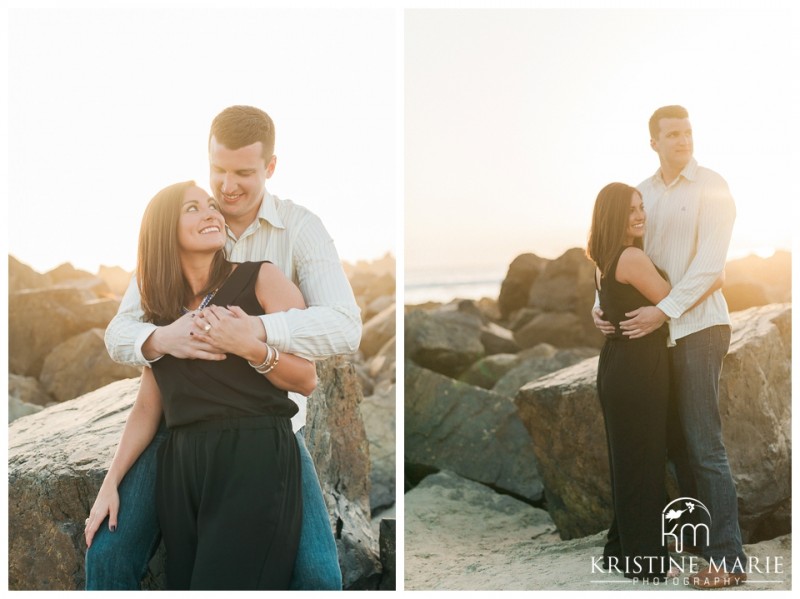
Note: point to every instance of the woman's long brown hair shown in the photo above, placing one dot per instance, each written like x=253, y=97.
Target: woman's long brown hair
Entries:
x=609, y=224
x=163, y=287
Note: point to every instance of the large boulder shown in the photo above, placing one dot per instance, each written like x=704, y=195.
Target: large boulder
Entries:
x=21, y=276
x=39, y=320
x=67, y=275
x=562, y=413
x=338, y=443
x=475, y=433
x=443, y=341
x=536, y=362
x=516, y=286
x=82, y=364
x=755, y=281
x=58, y=457
x=116, y=278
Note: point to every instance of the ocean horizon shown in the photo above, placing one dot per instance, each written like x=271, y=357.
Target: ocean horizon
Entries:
x=445, y=284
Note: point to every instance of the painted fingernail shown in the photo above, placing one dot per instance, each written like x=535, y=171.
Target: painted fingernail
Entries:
x=191, y=333
x=113, y=528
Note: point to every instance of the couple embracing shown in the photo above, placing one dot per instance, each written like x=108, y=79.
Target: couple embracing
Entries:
x=236, y=292
x=660, y=251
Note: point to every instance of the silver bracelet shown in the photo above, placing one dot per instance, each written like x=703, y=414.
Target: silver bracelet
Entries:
x=273, y=364
x=267, y=359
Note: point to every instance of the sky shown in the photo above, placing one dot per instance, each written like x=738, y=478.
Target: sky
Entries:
x=108, y=106
x=515, y=119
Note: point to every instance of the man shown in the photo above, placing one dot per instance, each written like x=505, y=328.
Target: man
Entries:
x=690, y=216
x=259, y=226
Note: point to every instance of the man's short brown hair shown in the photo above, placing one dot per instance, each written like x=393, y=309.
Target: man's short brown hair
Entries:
x=239, y=126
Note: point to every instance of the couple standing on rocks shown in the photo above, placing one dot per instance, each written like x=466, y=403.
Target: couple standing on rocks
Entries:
x=224, y=475
x=667, y=331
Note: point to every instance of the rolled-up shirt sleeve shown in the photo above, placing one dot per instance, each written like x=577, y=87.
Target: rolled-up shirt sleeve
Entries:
x=331, y=323
x=126, y=333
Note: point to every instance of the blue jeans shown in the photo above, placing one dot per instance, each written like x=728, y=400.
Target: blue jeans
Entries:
x=119, y=560
x=696, y=363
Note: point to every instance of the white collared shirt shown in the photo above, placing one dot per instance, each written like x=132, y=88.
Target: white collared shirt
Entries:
x=688, y=231
x=295, y=240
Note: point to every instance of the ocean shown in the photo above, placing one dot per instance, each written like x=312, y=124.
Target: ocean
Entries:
x=446, y=284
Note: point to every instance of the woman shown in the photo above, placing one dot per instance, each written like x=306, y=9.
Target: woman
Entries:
x=228, y=487
x=632, y=384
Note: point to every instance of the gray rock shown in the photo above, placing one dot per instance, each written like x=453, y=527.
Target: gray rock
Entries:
x=377, y=331
x=445, y=342
x=564, y=418
x=516, y=287
x=82, y=364
x=388, y=545
x=18, y=408
x=536, y=362
x=487, y=371
x=378, y=414
x=498, y=340
x=450, y=425
x=28, y=390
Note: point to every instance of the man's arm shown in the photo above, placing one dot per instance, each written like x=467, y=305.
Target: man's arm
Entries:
x=715, y=227
x=129, y=340
x=332, y=322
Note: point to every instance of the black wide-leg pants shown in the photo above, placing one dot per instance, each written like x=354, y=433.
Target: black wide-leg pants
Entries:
x=633, y=387
x=230, y=503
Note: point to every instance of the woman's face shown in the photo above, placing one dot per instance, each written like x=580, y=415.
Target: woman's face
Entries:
x=636, y=219
x=201, y=227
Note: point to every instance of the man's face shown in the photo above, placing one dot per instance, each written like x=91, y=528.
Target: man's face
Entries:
x=674, y=144
x=237, y=181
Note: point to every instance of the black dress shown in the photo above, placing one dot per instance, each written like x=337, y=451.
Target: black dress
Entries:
x=228, y=484
x=633, y=387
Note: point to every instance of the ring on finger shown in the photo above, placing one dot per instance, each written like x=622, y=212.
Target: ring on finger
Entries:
x=207, y=327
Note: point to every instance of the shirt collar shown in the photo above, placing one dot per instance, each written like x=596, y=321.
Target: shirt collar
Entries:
x=689, y=172
x=269, y=211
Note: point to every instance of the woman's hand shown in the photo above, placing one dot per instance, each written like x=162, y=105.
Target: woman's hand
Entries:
x=230, y=330
x=106, y=504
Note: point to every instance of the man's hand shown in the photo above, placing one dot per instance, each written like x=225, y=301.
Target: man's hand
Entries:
x=181, y=339
x=231, y=330
x=605, y=327
x=643, y=321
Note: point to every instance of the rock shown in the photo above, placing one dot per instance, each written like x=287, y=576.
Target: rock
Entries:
x=562, y=329
x=381, y=367
x=740, y=296
x=67, y=275
x=444, y=342
x=498, y=340
x=565, y=286
x=487, y=371
x=378, y=414
x=516, y=287
x=563, y=416
x=388, y=555
x=536, y=362
x=368, y=286
x=475, y=433
x=58, y=457
x=377, y=331
x=82, y=364
x=457, y=532
x=772, y=275
x=377, y=306
x=99, y=312
x=116, y=278
x=18, y=408
x=21, y=276
x=338, y=443
x=521, y=317
x=38, y=321
x=28, y=390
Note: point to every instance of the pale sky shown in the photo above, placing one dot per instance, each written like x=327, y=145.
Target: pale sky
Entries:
x=107, y=106
x=515, y=119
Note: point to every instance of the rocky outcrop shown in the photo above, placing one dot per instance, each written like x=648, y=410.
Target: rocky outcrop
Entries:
x=442, y=341
x=563, y=416
x=58, y=457
x=755, y=281
x=450, y=425
x=516, y=287
x=85, y=354
x=462, y=536
x=377, y=331
x=21, y=277
x=378, y=413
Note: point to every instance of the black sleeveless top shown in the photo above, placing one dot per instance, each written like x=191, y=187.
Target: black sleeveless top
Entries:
x=196, y=390
x=618, y=298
